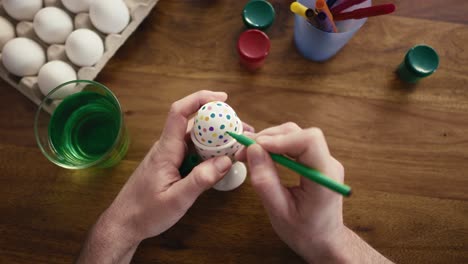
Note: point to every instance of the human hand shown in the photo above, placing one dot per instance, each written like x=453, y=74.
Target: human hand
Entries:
x=307, y=217
x=155, y=197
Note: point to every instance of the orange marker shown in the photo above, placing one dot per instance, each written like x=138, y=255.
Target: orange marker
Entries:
x=321, y=6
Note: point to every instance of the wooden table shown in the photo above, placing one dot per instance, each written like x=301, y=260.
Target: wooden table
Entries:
x=405, y=150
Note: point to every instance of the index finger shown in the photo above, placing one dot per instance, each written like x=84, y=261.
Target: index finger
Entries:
x=309, y=147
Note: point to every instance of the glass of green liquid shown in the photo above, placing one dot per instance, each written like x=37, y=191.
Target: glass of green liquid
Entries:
x=80, y=125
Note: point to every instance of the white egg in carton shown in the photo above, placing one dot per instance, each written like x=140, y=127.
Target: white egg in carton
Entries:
x=52, y=49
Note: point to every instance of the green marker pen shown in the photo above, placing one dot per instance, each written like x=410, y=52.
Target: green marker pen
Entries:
x=309, y=173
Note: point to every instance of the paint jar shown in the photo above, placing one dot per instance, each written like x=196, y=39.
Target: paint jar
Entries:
x=420, y=62
x=253, y=47
x=258, y=14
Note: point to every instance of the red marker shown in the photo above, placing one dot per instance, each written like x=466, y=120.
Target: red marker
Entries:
x=366, y=12
x=345, y=5
x=253, y=48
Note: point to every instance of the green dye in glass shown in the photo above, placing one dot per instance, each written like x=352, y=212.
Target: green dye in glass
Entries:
x=84, y=127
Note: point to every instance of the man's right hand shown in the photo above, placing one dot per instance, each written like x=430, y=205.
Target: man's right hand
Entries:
x=307, y=217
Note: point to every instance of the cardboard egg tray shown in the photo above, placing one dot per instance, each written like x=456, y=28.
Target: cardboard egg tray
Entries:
x=28, y=86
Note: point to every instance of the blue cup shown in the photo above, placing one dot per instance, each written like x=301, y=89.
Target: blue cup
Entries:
x=317, y=45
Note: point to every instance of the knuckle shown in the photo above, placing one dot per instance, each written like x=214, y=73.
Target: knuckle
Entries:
x=314, y=134
x=340, y=166
x=202, y=177
x=291, y=126
x=175, y=108
x=261, y=181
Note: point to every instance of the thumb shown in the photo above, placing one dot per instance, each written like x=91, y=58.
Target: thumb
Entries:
x=266, y=182
x=202, y=177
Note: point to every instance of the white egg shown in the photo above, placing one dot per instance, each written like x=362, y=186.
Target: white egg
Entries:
x=84, y=47
x=53, y=74
x=109, y=16
x=22, y=9
x=7, y=31
x=77, y=6
x=213, y=120
x=23, y=57
x=52, y=25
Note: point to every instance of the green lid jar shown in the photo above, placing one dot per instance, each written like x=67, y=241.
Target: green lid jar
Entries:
x=258, y=14
x=420, y=62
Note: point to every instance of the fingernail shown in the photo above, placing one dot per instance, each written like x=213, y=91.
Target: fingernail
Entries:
x=222, y=164
x=256, y=155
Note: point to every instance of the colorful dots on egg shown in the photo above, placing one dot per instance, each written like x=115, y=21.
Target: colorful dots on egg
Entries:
x=213, y=120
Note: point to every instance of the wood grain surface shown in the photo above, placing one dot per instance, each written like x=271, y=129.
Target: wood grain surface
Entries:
x=405, y=148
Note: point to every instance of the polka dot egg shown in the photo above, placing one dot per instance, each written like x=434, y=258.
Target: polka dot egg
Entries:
x=212, y=122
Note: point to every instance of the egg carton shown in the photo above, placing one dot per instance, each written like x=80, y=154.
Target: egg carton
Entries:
x=139, y=10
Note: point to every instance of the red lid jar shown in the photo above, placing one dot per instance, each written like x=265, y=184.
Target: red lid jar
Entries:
x=253, y=48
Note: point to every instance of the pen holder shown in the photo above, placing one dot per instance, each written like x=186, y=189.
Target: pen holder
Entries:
x=317, y=45
x=236, y=176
